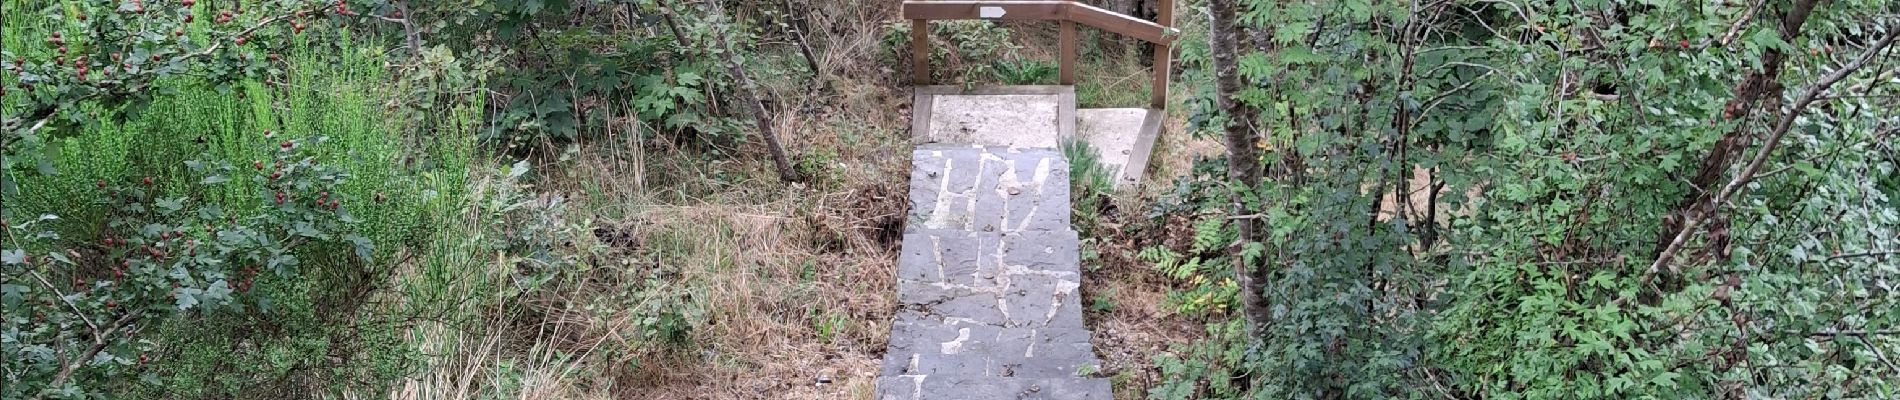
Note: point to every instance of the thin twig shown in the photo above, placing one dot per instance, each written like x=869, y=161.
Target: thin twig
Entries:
x=1736, y=28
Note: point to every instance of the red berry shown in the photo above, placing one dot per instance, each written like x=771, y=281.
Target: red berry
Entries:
x=188, y=18
x=101, y=184
x=1685, y=44
x=275, y=175
x=148, y=181
x=189, y=3
x=287, y=144
x=62, y=49
x=240, y=41
x=323, y=195
x=155, y=58
x=258, y=164
x=112, y=303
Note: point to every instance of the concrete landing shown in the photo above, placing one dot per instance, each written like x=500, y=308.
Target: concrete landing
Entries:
x=988, y=301
x=1004, y=116
x=1036, y=117
x=1125, y=137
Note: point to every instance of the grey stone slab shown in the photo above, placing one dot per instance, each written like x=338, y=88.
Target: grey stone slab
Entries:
x=963, y=349
x=976, y=258
x=920, y=387
x=987, y=189
x=988, y=277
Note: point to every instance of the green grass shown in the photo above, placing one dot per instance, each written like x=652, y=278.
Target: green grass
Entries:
x=337, y=90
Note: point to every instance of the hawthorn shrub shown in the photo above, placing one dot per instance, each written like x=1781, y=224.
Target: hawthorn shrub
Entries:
x=273, y=299
x=77, y=312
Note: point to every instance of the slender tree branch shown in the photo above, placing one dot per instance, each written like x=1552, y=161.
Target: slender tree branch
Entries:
x=67, y=371
x=1736, y=28
x=1768, y=148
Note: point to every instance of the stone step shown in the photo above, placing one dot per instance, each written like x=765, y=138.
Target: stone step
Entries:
x=988, y=189
x=1020, y=279
x=931, y=387
x=931, y=345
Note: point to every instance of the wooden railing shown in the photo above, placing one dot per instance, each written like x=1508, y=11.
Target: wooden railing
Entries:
x=1159, y=33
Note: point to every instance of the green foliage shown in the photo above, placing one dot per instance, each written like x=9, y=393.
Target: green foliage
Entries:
x=276, y=295
x=89, y=62
x=977, y=52
x=162, y=252
x=1542, y=147
x=1025, y=72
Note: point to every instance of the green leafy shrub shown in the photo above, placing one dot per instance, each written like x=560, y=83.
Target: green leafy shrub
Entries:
x=1025, y=72
x=976, y=49
x=160, y=254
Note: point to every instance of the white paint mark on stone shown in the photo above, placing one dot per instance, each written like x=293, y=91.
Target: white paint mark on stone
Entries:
x=1031, y=353
x=954, y=321
x=1064, y=289
x=917, y=381
x=1042, y=174
x=956, y=346
x=936, y=247
x=940, y=213
x=1005, y=184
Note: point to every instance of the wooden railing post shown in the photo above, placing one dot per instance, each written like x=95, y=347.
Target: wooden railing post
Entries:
x=1068, y=52
x=920, y=51
x=1164, y=15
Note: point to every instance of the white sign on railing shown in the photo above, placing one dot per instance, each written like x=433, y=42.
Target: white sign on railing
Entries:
x=991, y=12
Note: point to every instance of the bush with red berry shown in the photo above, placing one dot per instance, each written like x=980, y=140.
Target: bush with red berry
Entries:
x=78, y=309
x=97, y=59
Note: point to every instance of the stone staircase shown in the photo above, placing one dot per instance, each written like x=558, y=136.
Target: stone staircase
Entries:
x=988, y=280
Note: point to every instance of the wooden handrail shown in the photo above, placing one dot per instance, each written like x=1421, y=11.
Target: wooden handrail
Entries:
x=1159, y=33
x=1149, y=31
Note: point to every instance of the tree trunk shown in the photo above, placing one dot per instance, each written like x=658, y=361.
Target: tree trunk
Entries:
x=1243, y=158
x=748, y=93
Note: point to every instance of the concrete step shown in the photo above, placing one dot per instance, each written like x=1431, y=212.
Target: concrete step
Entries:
x=933, y=387
x=988, y=189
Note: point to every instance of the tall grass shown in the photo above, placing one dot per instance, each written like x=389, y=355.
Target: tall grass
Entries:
x=406, y=186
